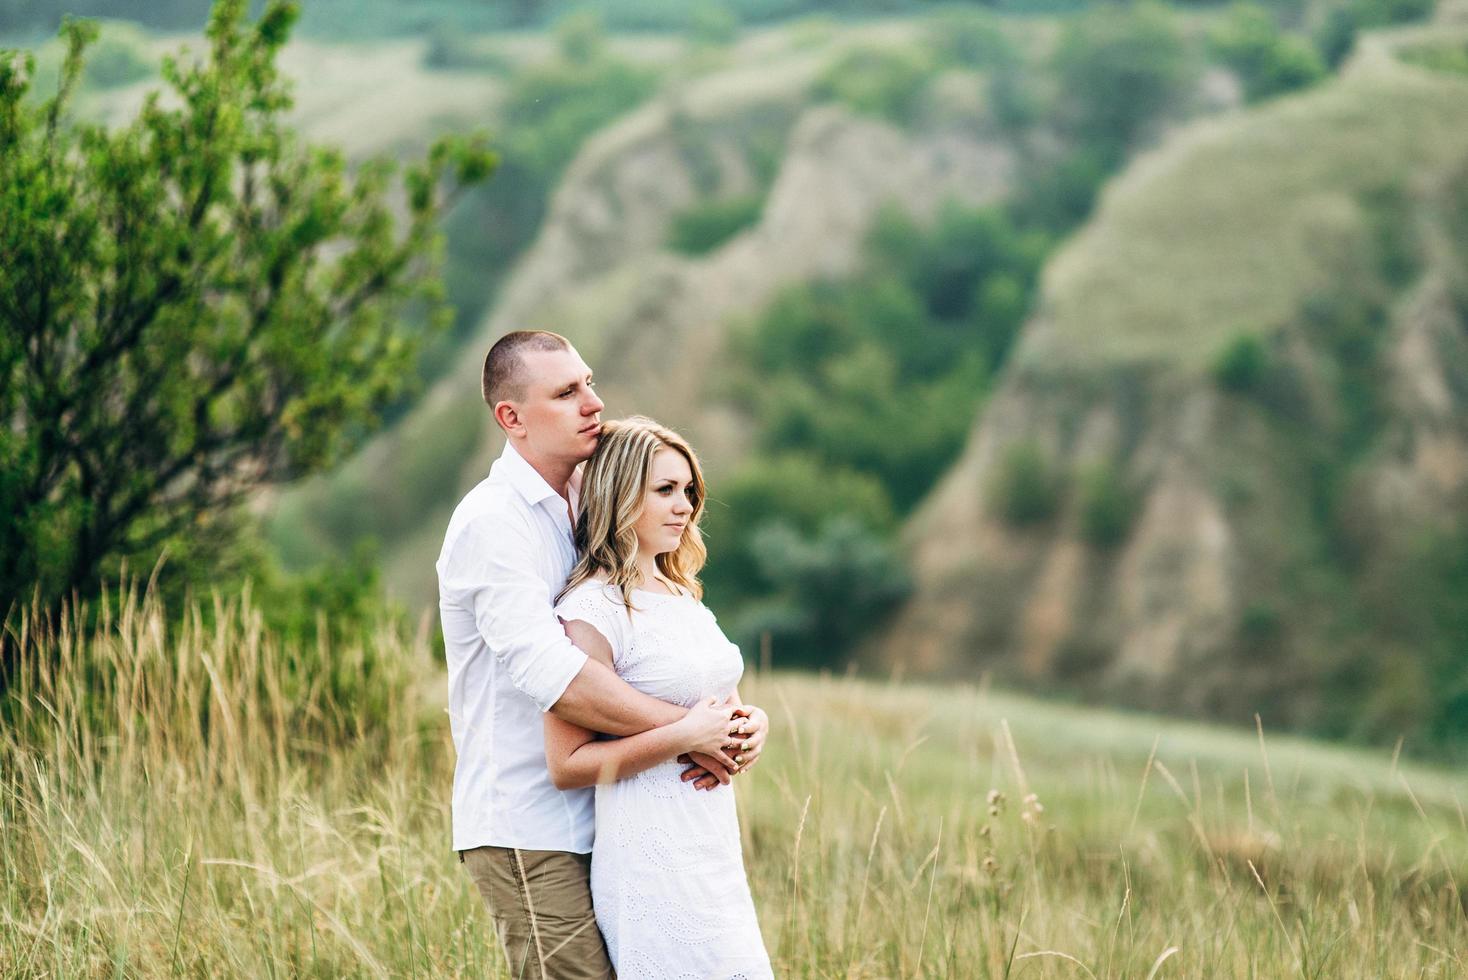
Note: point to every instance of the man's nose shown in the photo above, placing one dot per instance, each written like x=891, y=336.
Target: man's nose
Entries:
x=592, y=404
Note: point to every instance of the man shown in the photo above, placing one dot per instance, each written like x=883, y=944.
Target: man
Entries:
x=508, y=550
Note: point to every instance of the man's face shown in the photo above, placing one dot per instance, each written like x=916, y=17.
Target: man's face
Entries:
x=560, y=410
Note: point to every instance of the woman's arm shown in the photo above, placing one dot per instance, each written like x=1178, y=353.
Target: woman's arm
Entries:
x=577, y=758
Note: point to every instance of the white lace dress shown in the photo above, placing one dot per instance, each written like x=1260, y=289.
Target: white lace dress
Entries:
x=667, y=874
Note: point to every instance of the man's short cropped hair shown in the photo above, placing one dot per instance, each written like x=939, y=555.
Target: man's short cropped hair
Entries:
x=504, y=367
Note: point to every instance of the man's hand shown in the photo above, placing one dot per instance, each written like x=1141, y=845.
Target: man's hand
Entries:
x=706, y=772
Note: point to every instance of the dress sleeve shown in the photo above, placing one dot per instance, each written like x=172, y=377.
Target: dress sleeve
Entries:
x=602, y=608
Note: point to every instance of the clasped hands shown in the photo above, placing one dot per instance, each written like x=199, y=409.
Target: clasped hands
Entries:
x=748, y=728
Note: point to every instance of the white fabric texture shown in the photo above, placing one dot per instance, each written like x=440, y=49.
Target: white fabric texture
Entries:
x=667, y=872
x=506, y=555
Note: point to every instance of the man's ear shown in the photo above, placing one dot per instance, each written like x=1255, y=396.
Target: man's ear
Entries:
x=508, y=418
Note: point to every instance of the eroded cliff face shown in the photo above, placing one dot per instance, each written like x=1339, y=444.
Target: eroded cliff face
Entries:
x=1258, y=509
x=653, y=323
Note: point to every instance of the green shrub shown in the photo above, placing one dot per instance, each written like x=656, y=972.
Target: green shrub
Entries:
x=1027, y=489
x=882, y=82
x=860, y=376
x=1268, y=62
x=974, y=266
x=1439, y=57
x=1081, y=658
x=1380, y=13
x=1242, y=365
x=550, y=109
x=1260, y=624
x=1058, y=194
x=1108, y=506
x=831, y=587
x=1388, y=212
x=1336, y=37
x=1119, y=69
x=1014, y=99
x=581, y=37
x=971, y=39
x=709, y=224
x=785, y=488
x=451, y=49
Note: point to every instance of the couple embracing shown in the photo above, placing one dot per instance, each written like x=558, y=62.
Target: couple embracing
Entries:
x=592, y=697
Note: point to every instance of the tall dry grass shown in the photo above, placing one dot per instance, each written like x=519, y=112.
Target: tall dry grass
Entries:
x=196, y=799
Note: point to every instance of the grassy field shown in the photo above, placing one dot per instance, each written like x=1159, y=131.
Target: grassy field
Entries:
x=197, y=801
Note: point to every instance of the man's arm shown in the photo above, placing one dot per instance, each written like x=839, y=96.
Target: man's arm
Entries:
x=577, y=758
x=492, y=568
x=599, y=700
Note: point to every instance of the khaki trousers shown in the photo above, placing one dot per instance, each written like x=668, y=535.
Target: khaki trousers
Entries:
x=540, y=902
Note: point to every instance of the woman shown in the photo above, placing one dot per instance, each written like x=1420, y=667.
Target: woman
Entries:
x=667, y=876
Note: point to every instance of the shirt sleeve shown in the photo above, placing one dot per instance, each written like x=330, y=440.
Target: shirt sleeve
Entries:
x=593, y=604
x=492, y=570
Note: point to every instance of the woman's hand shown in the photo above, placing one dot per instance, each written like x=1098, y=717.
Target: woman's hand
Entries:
x=753, y=726
x=706, y=728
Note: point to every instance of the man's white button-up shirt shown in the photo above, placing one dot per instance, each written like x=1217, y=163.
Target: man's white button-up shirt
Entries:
x=506, y=555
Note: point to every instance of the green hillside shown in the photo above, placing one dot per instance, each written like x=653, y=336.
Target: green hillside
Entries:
x=1243, y=399
x=1232, y=225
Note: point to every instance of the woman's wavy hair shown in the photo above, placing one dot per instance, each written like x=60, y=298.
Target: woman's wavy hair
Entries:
x=613, y=487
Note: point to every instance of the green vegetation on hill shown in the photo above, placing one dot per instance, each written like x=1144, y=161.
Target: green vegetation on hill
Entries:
x=549, y=110
x=704, y=227
x=1260, y=332
x=1268, y=61
x=871, y=383
x=1265, y=238
x=879, y=378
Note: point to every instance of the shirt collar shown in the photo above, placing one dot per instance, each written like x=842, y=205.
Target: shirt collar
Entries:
x=530, y=484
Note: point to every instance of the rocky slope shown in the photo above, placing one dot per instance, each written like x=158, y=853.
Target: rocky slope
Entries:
x=653, y=323
x=1331, y=228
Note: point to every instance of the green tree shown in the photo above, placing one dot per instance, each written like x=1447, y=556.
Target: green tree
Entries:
x=1243, y=364
x=878, y=81
x=789, y=489
x=1268, y=62
x=1119, y=69
x=832, y=587
x=193, y=304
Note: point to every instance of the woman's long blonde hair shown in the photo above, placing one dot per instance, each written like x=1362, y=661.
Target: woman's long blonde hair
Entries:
x=613, y=487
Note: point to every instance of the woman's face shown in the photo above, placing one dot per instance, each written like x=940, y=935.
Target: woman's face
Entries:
x=667, y=506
